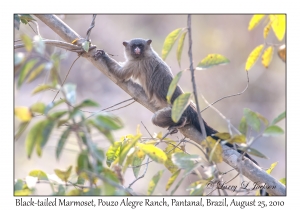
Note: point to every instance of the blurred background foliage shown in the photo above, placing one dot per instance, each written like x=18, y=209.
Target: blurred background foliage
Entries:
x=222, y=34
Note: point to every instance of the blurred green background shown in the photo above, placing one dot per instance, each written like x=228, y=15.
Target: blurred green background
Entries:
x=223, y=34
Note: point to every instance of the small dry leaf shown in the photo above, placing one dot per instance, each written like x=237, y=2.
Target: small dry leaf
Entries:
x=282, y=52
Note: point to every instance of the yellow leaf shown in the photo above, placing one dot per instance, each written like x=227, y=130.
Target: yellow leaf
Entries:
x=169, y=42
x=238, y=139
x=36, y=72
x=273, y=165
x=267, y=29
x=282, y=52
x=252, y=58
x=63, y=175
x=23, y=113
x=138, y=131
x=267, y=56
x=255, y=20
x=278, y=25
x=172, y=179
x=153, y=182
x=212, y=60
x=223, y=136
x=171, y=149
x=153, y=152
x=215, y=149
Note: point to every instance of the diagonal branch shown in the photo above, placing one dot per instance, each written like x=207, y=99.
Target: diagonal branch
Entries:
x=230, y=156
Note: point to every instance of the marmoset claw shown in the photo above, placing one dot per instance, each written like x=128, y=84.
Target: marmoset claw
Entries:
x=98, y=54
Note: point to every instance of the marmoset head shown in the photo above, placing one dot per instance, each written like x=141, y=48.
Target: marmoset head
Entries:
x=137, y=48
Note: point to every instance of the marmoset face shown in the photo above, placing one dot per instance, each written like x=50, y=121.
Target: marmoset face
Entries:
x=137, y=48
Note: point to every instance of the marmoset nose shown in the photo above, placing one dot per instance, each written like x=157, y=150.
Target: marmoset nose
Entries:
x=137, y=51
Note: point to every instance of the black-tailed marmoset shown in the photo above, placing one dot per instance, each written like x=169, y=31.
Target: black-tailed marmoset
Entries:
x=155, y=76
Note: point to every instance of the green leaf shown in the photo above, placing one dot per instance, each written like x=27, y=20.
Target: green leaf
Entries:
x=180, y=46
x=273, y=130
x=62, y=142
x=173, y=86
x=18, y=185
x=283, y=181
x=45, y=132
x=19, y=58
x=125, y=149
x=41, y=175
x=263, y=119
x=178, y=184
x=212, y=60
x=252, y=151
x=86, y=46
x=185, y=161
x=252, y=119
x=22, y=127
x=179, y=105
x=38, y=107
x=26, y=17
x=83, y=161
x=169, y=42
x=53, y=104
x=106, y=132
x=27, y=42
x=87, y=103
x=80, y=180
x=25, y=70
x=36, y=72
x=61, y=190
x=155, y=153
x=41, y=88
x=243, y=126
x=17, y=22
x=279, y=118
x=138, y=159
x=57, y=115
x=38, y=134
x=172, y=179
x=108, y=121
x=153, y=183
x=273, y=165
x=63, y=175
x=70, y=91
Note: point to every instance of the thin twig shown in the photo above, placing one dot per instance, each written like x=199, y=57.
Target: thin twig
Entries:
x=237, y=94
x=112, y=183
x=193, y=77
x=90, y=28
x=111, y=107
x=65, y=78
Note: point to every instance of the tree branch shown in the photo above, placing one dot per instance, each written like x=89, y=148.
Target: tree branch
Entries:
x=230, y=156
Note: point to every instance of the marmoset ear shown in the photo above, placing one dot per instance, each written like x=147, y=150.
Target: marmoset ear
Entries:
x=149, y=41
x=125, y=43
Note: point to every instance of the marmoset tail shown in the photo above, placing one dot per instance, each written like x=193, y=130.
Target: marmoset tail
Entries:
x=155, y=76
